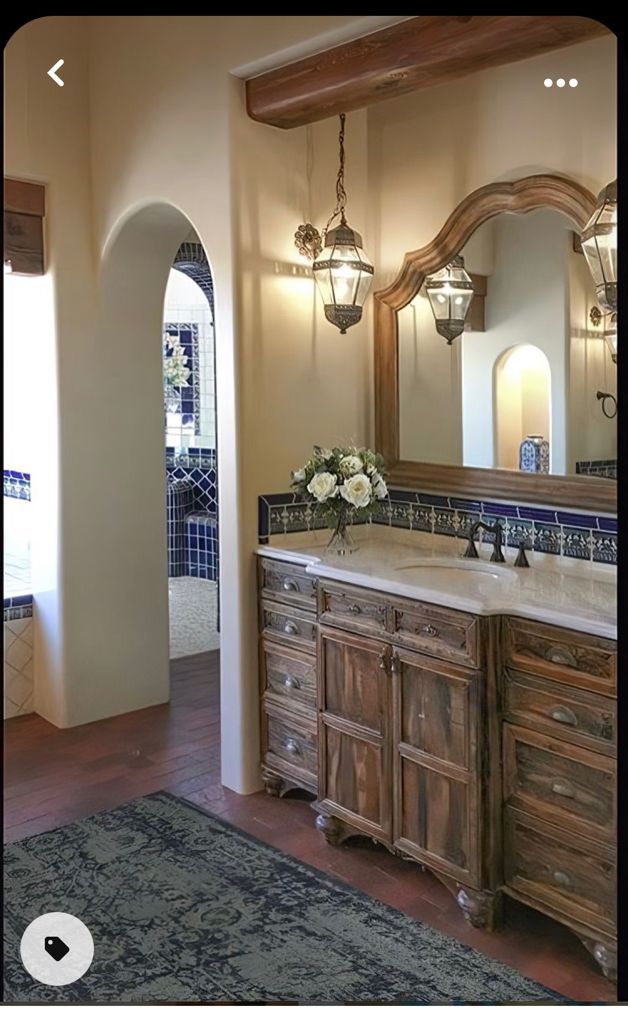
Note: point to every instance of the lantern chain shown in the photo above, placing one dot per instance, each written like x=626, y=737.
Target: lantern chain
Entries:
x=341, y=195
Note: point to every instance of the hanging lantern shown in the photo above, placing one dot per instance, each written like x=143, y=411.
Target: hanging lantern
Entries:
x=599, y=245
x=450, y=291
x=610, y=335
x=342, y=271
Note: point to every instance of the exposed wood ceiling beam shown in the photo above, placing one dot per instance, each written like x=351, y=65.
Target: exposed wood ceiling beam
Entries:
x=413, y=54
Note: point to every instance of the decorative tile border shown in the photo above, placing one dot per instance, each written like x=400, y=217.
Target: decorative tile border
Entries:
x=578, y=534
x=18, y=607
x=598, y=467
x=198, y=466
x=189, y=395
x=17, y=485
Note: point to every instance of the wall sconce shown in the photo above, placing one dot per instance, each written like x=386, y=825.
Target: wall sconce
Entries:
x=450, y=291
x=342, y=270
x=595, y=316
x=599, y=245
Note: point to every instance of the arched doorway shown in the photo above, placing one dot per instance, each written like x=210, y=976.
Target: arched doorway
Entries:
x=191, y=454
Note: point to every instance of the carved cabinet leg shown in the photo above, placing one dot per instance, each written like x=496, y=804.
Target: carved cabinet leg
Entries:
x=276, y=785
x=481, y=909
x=604, y=955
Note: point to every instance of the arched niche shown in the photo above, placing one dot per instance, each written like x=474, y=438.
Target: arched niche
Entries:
x=521, y=401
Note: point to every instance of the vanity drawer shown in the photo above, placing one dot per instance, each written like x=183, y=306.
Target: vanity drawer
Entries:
x=568, y=657
x=290, y=584
x=545, y=865
x=289, y=677
x=560, y=783
x=295, y=627
x=561, y=711
x=441, y=632
x=289, y=743
x=353, y=608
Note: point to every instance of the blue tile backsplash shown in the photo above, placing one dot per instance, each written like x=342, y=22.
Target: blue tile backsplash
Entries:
x=555, y=531
x=192, y=513
x=17, y=484
x=20, y=607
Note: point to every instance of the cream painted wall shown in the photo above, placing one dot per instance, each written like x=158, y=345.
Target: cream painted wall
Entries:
x=130, y=141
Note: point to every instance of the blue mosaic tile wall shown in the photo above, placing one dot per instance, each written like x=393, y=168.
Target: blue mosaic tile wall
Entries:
x=179, y=505
x=17, y=484
x=202, y=546
x=193, y=525
x=18, y=607
x=551, y=530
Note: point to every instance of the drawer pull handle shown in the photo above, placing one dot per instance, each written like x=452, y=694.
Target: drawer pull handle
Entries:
x=430, y=630
x=289, y=584
x=354, y=609
x=291, y=683
x=563, y=789
x=291, y=628
x=561, y=656
x=292, y=747
x=562, y=878
x=563, y=715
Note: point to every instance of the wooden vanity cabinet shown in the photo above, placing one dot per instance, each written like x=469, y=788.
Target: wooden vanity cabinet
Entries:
x=483, y=749
x=559, y=779
x=287, y=654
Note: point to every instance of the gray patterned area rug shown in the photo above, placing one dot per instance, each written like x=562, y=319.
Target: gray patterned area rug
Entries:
x=185, y=908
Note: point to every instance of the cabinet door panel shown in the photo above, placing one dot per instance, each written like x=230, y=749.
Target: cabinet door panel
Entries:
x=355, y=687
x=436, y=770
x=354, y=775
x=434, y=709
x=434, y=814
x=354, y=723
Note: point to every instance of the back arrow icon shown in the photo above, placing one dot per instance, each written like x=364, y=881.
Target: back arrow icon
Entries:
x=51, y=72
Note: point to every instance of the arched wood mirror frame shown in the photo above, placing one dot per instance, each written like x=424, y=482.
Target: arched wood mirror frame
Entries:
x=532, y=193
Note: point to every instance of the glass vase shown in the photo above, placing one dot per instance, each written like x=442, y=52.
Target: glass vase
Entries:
x=341, y=541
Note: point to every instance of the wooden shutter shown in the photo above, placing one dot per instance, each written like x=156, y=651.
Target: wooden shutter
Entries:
x=24, y=209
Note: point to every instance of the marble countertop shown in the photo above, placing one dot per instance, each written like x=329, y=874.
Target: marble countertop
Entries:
x=561, y=591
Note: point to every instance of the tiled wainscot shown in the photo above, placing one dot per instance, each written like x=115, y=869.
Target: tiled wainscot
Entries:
x=192, y=513
x=18, y=656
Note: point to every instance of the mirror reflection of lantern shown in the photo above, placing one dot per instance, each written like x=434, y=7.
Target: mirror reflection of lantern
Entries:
x=599, y=245
x=450, y=291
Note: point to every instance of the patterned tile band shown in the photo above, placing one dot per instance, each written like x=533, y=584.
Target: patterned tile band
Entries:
x=17, y=485
x=551, y=530
x=18, y=607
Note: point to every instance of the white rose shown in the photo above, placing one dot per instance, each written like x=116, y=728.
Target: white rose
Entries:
x=379, y=487
x=323, y=486
x=298, y=475
x=350, y=465
x=357, y=490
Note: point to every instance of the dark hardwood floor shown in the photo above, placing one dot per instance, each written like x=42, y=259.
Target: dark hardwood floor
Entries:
x=55, y=776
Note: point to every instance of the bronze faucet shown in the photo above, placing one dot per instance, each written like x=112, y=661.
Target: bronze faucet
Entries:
x=496, y=529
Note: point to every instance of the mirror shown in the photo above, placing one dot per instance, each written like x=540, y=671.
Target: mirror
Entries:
x=512, y=407
x=517, y=390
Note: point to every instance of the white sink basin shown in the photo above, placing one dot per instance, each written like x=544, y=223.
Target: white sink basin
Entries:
x=435, y=571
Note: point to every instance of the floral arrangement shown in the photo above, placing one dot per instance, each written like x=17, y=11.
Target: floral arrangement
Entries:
x=176, y=370
x=342, y=481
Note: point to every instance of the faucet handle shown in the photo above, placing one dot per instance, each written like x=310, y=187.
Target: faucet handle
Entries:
x=471, y=551
x=521, y=561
